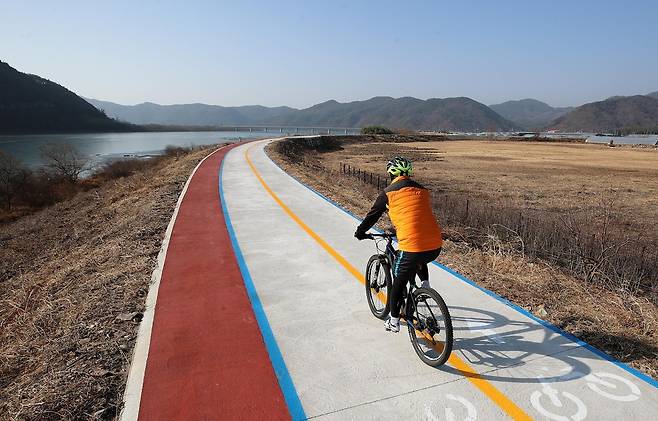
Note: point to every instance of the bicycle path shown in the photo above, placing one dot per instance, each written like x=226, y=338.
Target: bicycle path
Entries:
x=203, y=351
x=303, y=264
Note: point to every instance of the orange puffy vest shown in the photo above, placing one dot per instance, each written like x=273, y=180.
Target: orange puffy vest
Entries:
x=410, y=211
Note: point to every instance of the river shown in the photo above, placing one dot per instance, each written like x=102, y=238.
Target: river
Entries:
x=101, y=147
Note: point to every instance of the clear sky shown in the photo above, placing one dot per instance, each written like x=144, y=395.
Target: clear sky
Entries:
x=299, y=53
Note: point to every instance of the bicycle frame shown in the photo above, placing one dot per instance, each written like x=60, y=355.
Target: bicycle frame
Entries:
x=390, y=254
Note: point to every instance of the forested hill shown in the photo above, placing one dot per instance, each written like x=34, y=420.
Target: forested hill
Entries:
x=638, y=113
x=31, y=104
x=410, y=113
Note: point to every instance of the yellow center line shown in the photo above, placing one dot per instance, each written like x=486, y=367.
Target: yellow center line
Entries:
x=509, y=407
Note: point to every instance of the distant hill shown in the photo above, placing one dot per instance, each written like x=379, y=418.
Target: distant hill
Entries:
x=411, y=113
x=615, y=113
x=653, y=94
x=190, y=114
x=529, y=113
x=31, y=104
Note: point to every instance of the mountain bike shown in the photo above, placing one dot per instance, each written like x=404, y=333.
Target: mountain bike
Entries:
x=424, y=311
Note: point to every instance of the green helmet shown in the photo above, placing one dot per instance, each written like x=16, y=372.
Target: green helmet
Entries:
x=399, y=166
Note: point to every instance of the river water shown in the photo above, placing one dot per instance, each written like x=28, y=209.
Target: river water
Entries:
x=625, y=140
x=101, y=147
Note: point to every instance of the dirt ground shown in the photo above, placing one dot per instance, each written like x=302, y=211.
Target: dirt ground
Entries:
x=535, y=175
x=73, y=282
x=623, y=325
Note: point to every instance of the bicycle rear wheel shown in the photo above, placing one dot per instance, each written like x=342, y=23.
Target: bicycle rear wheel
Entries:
x=378, y=284
x=430, y=327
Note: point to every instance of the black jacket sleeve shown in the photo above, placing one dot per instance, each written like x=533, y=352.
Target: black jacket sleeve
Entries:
x=377, y=210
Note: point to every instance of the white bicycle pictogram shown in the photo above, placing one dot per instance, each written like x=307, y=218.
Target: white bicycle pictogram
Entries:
x=596, y=382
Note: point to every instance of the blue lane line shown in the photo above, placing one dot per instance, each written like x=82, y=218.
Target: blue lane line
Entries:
x=283, y=376
x=461, y=277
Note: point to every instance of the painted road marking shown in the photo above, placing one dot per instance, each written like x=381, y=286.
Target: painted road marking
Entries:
x=503, y=402
x=470, y=409
x=464, y=406
x=595, y=381
x=553, y=394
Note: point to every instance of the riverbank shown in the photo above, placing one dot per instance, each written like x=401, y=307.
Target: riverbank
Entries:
x=620, y=320
x=73, y=282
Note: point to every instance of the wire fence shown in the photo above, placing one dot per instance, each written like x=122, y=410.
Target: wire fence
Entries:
x=593, y=245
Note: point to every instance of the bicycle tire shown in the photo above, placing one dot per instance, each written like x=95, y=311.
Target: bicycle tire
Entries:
x=371, y=293
x=446, y=346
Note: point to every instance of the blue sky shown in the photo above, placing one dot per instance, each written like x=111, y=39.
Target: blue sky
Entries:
x=299, y=53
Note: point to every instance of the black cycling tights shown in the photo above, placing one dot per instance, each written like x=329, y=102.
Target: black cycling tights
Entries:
x=407, y=265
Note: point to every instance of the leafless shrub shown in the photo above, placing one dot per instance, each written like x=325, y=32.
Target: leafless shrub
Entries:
x=65, y=160
x=176, y=151
x=123, y=168
x=12, y=178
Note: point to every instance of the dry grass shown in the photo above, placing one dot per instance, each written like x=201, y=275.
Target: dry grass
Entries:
x=533, y=175
x=73, y=281
x=621, y=324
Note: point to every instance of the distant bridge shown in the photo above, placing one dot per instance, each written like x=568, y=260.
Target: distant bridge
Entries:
x=292, y=129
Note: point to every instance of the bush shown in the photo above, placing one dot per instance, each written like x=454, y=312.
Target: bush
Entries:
x=65, y=160
x=295, y=148
x=61, y=177
x=12, y=177
x=175, y=151
x=376, y=130
x=123, y=168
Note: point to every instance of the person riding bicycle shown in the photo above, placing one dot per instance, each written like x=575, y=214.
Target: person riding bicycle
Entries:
x=417, y=231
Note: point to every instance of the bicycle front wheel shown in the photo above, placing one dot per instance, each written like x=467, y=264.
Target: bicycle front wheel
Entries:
x=378, y=284
x=430, y=327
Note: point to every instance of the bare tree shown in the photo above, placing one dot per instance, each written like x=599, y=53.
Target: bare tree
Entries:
x=65, y=160
x=11, y=175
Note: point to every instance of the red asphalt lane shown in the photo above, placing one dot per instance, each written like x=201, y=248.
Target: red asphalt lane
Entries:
x=207, y=359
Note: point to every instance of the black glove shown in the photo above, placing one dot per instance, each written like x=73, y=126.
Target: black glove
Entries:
x=361, y=235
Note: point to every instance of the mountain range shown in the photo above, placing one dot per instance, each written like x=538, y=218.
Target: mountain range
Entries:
x=530, y=113
x=189, y=114
x=31, y=104
x=410, y=113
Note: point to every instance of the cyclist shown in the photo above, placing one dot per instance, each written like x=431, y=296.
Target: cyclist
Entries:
x=417, y=231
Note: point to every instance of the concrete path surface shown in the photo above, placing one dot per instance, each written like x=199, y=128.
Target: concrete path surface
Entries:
x=302, y=271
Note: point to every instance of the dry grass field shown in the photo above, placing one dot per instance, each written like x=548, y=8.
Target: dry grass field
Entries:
x=535, y=175
x=551, y=181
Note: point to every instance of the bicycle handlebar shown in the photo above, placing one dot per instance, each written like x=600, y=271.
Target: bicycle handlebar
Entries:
x=384, y=235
